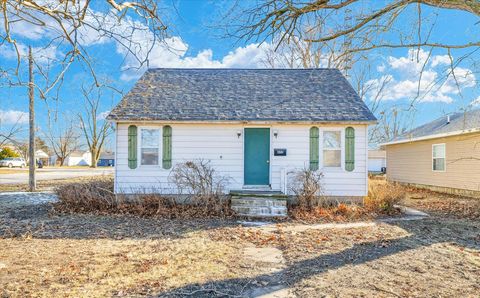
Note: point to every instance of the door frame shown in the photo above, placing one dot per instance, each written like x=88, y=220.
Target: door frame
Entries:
x=246, y=186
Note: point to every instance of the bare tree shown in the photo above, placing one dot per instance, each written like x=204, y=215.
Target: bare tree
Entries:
x=393, y=119
x=8, y=135
x=23, y=149
x=94, y=127
x=351, y=30
x=70, y=23
x=63, y=141
x=366, y=24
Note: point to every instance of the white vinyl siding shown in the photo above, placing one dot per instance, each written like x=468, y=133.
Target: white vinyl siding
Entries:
x=221, y=145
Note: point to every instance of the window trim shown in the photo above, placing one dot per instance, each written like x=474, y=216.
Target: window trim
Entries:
x=444, y=157
x=139, y=149
x=342, y=148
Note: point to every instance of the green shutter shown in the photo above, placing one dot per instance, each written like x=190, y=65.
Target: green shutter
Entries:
x=132, y=146
x=314, y=148
x=167, y=147
x=349, y=149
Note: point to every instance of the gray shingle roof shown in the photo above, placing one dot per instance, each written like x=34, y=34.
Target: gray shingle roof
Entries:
x=242, y=95
x=458, y=122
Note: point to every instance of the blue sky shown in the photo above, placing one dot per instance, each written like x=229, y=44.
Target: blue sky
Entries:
x=194, y=42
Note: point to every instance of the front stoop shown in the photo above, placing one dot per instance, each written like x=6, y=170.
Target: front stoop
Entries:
x=251, y=206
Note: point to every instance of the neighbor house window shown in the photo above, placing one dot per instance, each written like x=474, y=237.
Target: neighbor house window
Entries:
x=438, y=156
x=332, y=150
x=150, y=146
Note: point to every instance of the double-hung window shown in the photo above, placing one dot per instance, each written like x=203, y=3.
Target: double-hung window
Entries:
x=332, y=149
x=438, y=157
x=150, y=146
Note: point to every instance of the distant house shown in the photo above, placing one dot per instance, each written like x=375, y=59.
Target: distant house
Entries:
x=107, y=159
x=75, y=158
x=255, y=126
x=442, y=155
x=40, y=155
x=377, y=160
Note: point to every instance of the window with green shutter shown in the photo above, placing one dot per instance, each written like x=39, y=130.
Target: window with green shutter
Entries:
x=314, y=148
x=132, y=146
x=349, y=149
x=167, y=147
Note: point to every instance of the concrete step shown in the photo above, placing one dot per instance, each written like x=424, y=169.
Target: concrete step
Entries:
x=258, y=202
x=257, y=193
x=260, y=211
x=259, y=206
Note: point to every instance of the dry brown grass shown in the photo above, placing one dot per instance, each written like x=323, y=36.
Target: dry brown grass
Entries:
x=46, y=185
x=97, y=197
x=334, y=213
x=382, y=196
x=12, y=171
x=106, y=267
x=443, y=204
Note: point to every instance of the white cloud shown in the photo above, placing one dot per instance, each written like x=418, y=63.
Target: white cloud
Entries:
x=103, y=115
x=40, y=55
x=440, y=59
x=475, y=102
x=172, y=53
x=13, y=117
x=418, y=76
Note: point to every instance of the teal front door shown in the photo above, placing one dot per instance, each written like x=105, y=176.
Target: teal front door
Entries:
x=257, y=156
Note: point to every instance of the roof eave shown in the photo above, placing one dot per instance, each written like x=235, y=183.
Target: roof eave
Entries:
x=362, y=122
x=433, y=136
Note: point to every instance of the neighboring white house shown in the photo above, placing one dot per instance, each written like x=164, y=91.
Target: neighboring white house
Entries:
x=377, y=159
x=75, y=158
x=255, y=126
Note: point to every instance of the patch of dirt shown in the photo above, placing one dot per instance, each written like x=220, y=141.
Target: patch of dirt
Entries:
x=430, y=257
x=87, y=255
x=443, y=205
x=44, y=254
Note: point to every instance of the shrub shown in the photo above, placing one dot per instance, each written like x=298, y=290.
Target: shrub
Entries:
x=7, y=152
x=98, y=197
x=339, y=213
x=198, y=179
x=382, y=196
x=307, y=187
x=91, y=196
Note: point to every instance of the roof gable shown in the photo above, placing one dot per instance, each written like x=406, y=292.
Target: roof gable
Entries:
x=453, y=124
x=322, y=95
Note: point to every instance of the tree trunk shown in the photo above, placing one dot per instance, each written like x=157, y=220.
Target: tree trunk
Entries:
x=94, y=158
x=31, y=108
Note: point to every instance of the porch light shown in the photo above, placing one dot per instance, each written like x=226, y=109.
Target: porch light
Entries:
x=275, y=133
x=239, y=133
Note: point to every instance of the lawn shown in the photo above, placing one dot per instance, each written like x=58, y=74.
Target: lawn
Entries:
x=45, y=254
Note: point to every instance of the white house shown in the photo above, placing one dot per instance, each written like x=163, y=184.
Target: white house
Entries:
x=75, y=158
x=254, y=126
x=377, y=159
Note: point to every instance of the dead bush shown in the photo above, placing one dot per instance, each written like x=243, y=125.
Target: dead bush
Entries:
x=200, y=181
x=382, y=196
x=308, y=189
x=336, y=213
x=89, y=196
x=97, y=197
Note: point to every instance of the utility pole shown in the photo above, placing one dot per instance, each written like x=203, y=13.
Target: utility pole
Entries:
x=31, y=114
